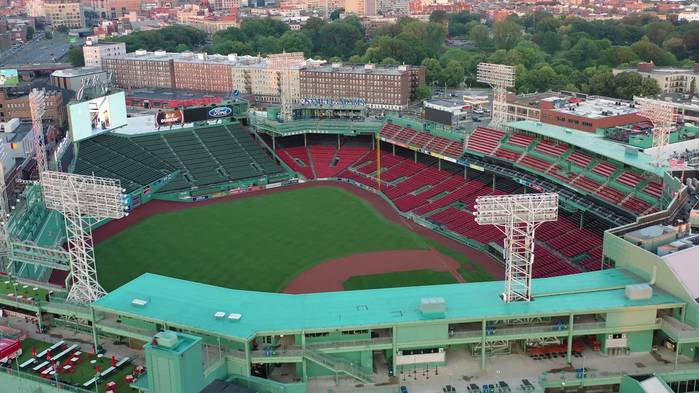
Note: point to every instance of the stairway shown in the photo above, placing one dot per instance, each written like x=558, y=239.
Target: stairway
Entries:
x=337, y=365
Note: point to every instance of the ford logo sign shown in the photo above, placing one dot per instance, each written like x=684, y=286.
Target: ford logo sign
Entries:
x=220, y=111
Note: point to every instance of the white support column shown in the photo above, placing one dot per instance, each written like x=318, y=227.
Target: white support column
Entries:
x=662, y=115
x=81, y=199
x=500, y=77
x=517, y=216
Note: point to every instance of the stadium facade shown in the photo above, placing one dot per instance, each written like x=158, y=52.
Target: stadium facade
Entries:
x=635, y=303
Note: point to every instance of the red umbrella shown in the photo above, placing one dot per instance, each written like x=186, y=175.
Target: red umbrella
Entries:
x=114, y=361
x=48, y=355
x=33, y=350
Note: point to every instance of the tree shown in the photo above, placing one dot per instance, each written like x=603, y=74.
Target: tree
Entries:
x=617, y=55
x=338, y=39
x=355, y=59
x=676, y=46
x=630, y=84
x=602, y=83
x=453, y=73
x=48, y=35
x=439, y=16
x=266, y=45
x=506, y=34
x=181, y=48
x=423, y=92
x=62, y=29
x=75, y=56
x=648, y=51
x=480, y=36
x=389, y=61
x=335, y=15
x=656, y=32
x=30, y=32
x=295, y=41
x=255, y=27
x=548, y=41
x=166, y=39
x=433, y=70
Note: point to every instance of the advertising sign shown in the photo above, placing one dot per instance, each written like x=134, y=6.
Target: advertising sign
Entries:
x=93, y=117
x=207, y=113
x=8, y=78
x=169, y=118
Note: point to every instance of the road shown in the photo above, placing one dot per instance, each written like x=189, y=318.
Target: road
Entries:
x=39, y=50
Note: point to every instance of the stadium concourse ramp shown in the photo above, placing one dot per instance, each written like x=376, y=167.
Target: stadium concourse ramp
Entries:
x=180, y=164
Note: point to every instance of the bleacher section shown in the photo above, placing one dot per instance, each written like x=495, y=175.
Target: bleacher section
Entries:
x=572, y=167
x=485, y=140
x=422, y=140
x=204, y=157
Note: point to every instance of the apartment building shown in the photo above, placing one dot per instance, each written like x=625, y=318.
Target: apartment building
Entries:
x=94, y=51
x=670, y=79
x=380, y=87
x=261, y=77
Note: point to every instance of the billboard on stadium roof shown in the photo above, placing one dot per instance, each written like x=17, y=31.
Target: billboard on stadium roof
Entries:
x=9, y=78
x=98, y=115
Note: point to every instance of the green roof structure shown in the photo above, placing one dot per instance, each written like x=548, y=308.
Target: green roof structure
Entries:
x=628, y=155
x=195, y=305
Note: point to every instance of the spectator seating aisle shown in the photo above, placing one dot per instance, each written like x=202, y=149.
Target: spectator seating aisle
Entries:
x=323, y=159
x=297, y=159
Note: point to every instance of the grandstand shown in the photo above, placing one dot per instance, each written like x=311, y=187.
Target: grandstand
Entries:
x=203, y=158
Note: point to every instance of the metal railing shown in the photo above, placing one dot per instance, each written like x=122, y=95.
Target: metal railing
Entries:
x=350, y=343
x=678, y=328
x=44, y=381
x=338, y=364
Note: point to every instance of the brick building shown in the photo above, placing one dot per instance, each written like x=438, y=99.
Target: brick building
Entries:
x=588, y=114
x=94, y=51
x=579, y=111
x=17, y=107
x=259, y=77
x=381, y=87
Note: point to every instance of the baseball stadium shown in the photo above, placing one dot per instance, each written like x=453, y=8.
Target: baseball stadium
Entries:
x=241, y=253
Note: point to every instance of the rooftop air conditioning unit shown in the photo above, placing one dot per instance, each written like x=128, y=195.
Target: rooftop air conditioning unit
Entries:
x=159, y=53
x=141, y=52
x=167, y=339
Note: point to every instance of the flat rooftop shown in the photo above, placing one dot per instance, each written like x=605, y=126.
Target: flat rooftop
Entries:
x=171, y=94
x=530, y=100
x=73, y=72
x=359, y=69
x=190, y=57
x=194, y=305
x=593, y=108
x=595, y=143
x=661, y=70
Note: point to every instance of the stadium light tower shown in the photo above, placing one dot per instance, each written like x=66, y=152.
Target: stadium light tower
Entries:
x=662, y=115
x=37, y=107
x=517, y=216
x=82, y=198
x=500, y=77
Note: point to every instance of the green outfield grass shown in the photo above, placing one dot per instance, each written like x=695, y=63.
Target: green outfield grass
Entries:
x=258, y=243
x=409, y=278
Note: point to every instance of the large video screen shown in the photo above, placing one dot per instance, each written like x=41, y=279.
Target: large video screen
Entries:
x=96, y=116
x=8, y=78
